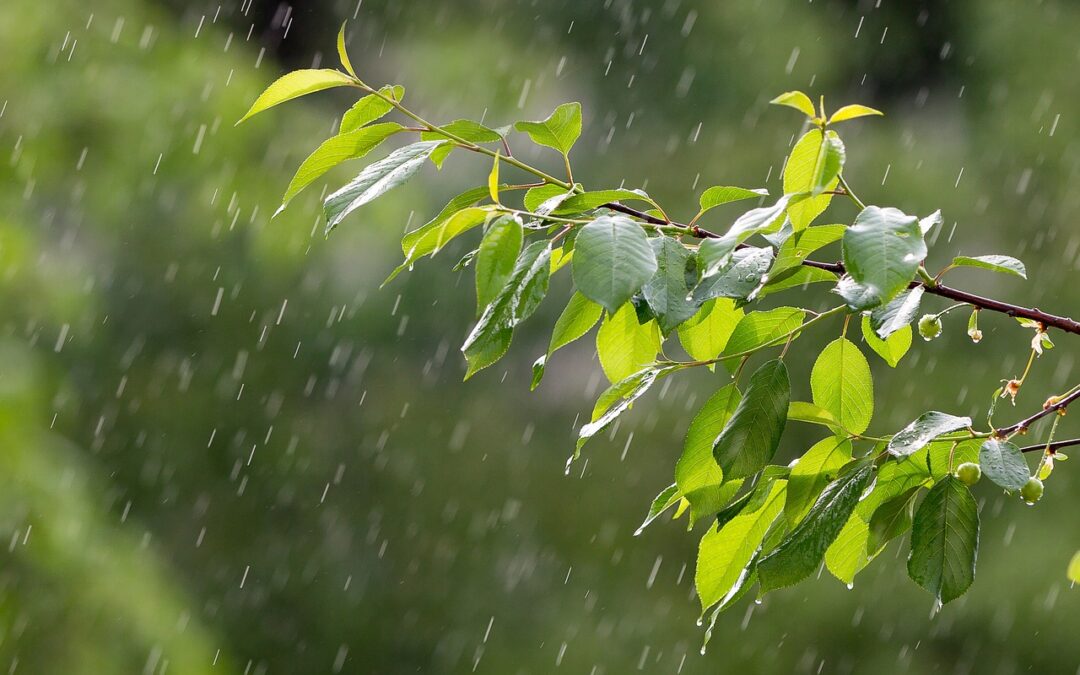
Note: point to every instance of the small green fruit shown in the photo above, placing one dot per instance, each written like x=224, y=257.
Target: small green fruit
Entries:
x=929, y=326
x=969, y=473
x=1032, y=490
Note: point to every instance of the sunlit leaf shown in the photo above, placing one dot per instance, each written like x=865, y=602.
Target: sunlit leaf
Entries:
x=624, y=345
x=697, y=474
x=295, y=84
x=892, y=348
x=495, y=259
x=995, y=263
x=705, y=334
x=842, y=384
x=797, y=100
x=370, y=108
x=815, y=469
x=850, y=112
x=559, y=131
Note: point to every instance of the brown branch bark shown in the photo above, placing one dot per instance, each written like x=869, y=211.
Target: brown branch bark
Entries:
x=1052, y=447
x=1023, y=424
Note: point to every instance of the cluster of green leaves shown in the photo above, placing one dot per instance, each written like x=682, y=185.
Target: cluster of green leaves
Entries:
x=647, y=281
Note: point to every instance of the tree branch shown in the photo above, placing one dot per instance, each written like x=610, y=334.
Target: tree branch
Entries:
x=1063, y=323
x=1052, y=447
x=1023, y=424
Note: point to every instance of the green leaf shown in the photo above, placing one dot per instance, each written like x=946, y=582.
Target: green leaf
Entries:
x=749, y=440
x=495, y=259
x=432, y=237
x=517, y=300
x=587, y=201
x=995, y=263
x=919, y=433
x=945, y=540
x=370, y=108
x=295, y=84
x=1004, y=464
x=800, y=554
x=334, y=151
x=897, y=314
x=797, y=100
x=617, y=399
x=667, y=498
x=487, y=349
x=841, y=383
x=376, y=180
x=536, y=196
x=343, y=54
x=891, y=519
x=624, y=345
x=559, y=131
x=471, y=131
x=740, y=277
x=579, y=316
x=882, y=251
x=697, y=475
x=757, y=329
x=612, y=261
x=815, y=469
x=667, y=291
x=715, y=252
x=725, y=551
x=705, y=334
x=850, y=112
x=801, y=411
x=1073, y=572
x=422, y=237
x=811, y=161
x=801, y=244
x=892, y=348
x=796, y=278
x=725, y=194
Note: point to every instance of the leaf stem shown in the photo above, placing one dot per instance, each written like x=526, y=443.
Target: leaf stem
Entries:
x=848, y=191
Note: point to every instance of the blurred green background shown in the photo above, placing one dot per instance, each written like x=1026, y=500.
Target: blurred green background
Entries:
x=225, y=450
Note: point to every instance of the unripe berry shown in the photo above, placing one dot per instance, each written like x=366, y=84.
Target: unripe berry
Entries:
x=1032, y=490
x=969, y=473
x=929, y=326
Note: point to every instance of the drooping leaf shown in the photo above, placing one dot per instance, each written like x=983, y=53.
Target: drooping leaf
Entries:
x=800, y=553
x=715, y=252
x=668, y=290
x=495, y=259
x=801, y=411
x=892, y=348
x=995, y=263
x=617, y=399
x=334, y=151
x=536, y=196
x=814, y=470
x=370, y=108
x=797, y=100
x=882, y=251
x=891, y=519
x=624, y=345
x=725, y=194
x=799, y=277
x=739, y=277
x=896, y=314
x=667, y=498
x=586, y=201
x=559, y=131
x=801, y=244
x=697, y=474
x=1004, y=464
x=487, y=349
x=841, y=383
x=612, y=261
x=749, y=440
x=579, y=316
x=410, y=243
x=518, y=299
x=850, y=112
x=295, y=84
x=945, y=540
x=375, y=180
x=725, y=551
x=757, y=329
x=430, y=238
x=807, y=167
x=705, y=334
x=919, y=433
